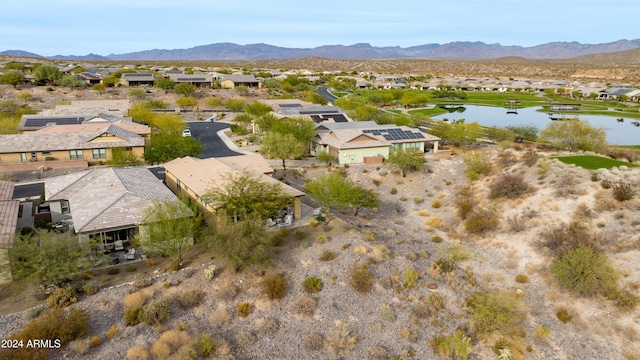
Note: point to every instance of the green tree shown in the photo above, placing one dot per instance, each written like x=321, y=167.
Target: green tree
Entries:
x=334, y=190
x=525, y=132
x=235, y=104
x=213, y=102
x=100, y=88
x=47, y=74
x=574, y=135
x=170, y=229
x=137, y=93
x=70, y=81
x=120, y=157
x=257, y=109
x=246, y=196
x=164, y=83
x=184, y=89
x=241, y=90
x=407, y=160
x=48, y=258
x=166, y=147
x=187, y=102
x=324, y=157
x=240, y=243
x=313, y=97
x=12, y=77
x=281, y=146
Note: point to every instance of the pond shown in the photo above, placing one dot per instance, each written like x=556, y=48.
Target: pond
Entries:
x=625, y=132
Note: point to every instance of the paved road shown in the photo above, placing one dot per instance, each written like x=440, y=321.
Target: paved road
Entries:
x=207, y=133
x=24, y=191
x=324, y=91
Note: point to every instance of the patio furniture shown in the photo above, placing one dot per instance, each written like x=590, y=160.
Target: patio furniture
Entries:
x=118, y=245
x=288, y=220
x=271, y=222
x=317, y=211
x=131, y=254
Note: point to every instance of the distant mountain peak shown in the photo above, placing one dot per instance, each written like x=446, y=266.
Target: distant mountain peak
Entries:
x=456, y=50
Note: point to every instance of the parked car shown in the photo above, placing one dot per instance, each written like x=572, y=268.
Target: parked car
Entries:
x=186, y=133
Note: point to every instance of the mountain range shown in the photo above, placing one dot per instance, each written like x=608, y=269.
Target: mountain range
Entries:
x=459, y=50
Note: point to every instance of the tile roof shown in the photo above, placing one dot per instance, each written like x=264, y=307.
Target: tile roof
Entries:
x=52, y=141
x=108, y=198
x=353, y=135
x=201, y=175
x=126, y=125
x=8, y=221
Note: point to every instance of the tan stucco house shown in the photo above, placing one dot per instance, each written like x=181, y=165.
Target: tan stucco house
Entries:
x=195, y=177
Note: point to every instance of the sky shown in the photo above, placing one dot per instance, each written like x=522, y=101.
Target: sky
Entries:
x=81, y=27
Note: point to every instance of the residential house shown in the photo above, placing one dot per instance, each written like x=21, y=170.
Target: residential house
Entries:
x=367, y=142
x=197, y=80
x=64, y=147
x=196, y=177
x=137, y=79
x=107, y=204
x=89, y=78
x=233, y=81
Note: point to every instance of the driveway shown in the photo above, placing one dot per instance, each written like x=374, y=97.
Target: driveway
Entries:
x=324, y=91
x=207, y=133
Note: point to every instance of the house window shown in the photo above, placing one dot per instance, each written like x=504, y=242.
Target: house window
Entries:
x=397, y=147
x=75, y=154
x=64, y=205
x=128, y=148
x=46, y=153
x=412, y=146
x=34, y=157
x=99, y=153
x=178, y=183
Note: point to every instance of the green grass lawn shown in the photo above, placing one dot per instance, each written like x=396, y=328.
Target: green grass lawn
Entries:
x=591, y=162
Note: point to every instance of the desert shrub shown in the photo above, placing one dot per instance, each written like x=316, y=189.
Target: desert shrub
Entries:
x=517, y=223
x=133, y=316
x=387, y=313
x=436, y=303
x=206, y=345
x=91, y=288
x=210, y=272
x=510, y=186
x=568, y=186
x=436, y=239
x=312, y=285
x=328, y=255
x=409, y=276
x=623, y=299
x=481, y=220
x=113, y=271
x=492, y=311
x=62, y=297
x=420, y=310
x=245, y=339
x=313, y=342
x=530, y=158
x=606, y=183
x=411, y=256
x=137, y=299
x=477, y=165
x=299, y=234
x=275, y=286
x=436, y=204
x=360, y=278
x=463, y=201
x=418, y=200
x=522, y=279
x=565, y=237
x=65, y=325
x=563, y=315
x=394, y=191
x=340, y=341
x=244, y=309
x=409, y=335
x=585, y=272
x=541, y=331
x=605, y=201
x=304, y=306
x=377, y=353
x=95, y=341
x=80, y=346
x=30, y=313
x=155, y=313
x=220, y=318
x=376, y=182
x=267, y=327
x=131, y=268
x=160, y=350
x=506, y=159
x=142, y=281
x=112, y=332
x=190, y=298
x=455, y=346
x=228, y=290
x=137, y=353
x=623, y=191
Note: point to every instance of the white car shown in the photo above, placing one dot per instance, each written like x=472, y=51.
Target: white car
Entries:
x=186, y=133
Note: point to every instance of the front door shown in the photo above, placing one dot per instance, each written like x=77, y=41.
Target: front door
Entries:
x=23, y=157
